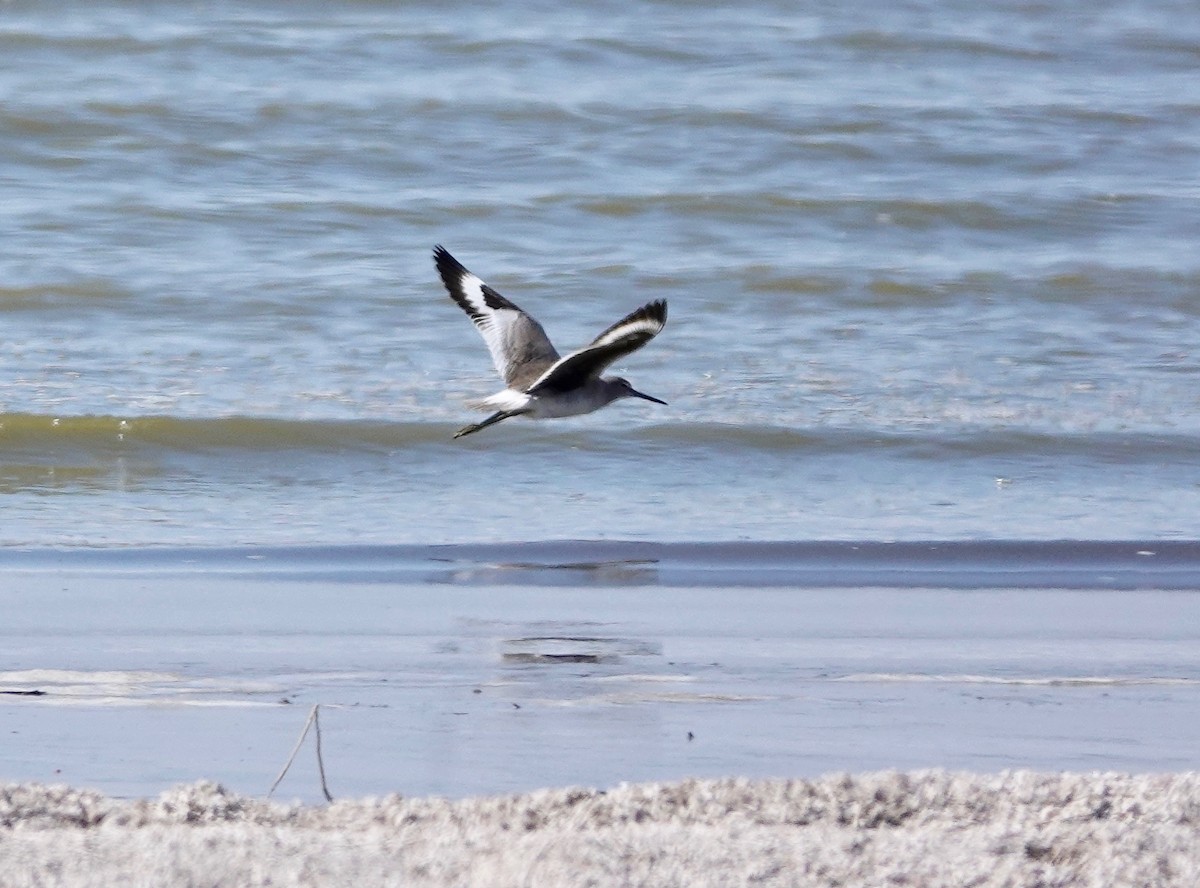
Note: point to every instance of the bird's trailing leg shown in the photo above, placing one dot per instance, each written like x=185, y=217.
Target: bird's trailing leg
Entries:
x=491, y=420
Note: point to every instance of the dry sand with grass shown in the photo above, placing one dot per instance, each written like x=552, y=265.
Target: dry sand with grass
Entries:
x=930, y=828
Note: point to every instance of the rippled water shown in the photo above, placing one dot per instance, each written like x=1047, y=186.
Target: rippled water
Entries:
x=932, y=269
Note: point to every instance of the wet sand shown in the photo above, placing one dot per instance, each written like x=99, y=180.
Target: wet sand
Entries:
x=931, y=828
x=1055, y=706
x=476, y=671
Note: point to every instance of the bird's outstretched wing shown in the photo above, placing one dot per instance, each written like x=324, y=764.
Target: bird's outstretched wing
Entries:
x=625, y=336
x=520, y=348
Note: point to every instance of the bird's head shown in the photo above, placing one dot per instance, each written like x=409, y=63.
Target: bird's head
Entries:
x=623, y=389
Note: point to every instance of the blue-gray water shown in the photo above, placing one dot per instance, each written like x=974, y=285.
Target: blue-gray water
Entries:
x=932, y=268
x=490, y=668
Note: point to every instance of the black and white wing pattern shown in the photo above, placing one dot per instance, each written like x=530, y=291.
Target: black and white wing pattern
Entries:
x=622, y=338
x=520, y=348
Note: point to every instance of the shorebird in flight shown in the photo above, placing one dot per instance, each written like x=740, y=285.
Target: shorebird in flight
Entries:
x=539, y=383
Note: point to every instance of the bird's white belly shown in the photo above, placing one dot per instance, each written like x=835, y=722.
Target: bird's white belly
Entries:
x=551, y=406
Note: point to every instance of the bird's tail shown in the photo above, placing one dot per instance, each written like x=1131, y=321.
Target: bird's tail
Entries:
x=508, y=401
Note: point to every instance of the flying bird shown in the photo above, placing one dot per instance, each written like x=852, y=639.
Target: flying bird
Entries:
x=538, y=382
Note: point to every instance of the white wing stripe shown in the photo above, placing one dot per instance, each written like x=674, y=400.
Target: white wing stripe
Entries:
x=471, y=288
x=641, y=325
x=488, y=320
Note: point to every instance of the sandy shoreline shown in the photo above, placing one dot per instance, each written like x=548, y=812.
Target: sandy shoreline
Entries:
x=926, y=828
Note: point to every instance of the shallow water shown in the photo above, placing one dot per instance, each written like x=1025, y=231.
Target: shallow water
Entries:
x=488, y=669
x=931, y=269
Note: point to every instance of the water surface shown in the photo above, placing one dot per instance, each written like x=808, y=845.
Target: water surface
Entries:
x=931, y=269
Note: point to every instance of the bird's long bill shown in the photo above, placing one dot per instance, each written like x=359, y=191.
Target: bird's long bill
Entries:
x=644, y=397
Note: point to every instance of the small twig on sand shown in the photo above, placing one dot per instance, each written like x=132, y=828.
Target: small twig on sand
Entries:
x=316, y=717
x=314, y=721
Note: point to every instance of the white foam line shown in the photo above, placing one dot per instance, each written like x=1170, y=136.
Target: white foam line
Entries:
x=1038, y=681
x=146, y=702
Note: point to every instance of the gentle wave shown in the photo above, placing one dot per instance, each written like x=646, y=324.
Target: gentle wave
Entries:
x=112, y=434
x=608, y=38
x=109, y=435
x=1101, y=287
x=887, y=43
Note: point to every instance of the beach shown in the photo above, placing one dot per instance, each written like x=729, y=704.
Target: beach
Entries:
x=928, y=828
